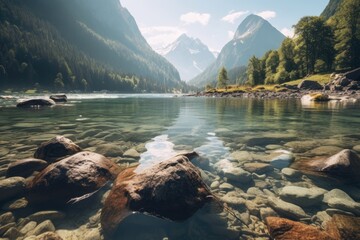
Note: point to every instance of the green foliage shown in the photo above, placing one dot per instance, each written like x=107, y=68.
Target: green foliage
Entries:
x=222, y=78
x=347, y=34
x=38, y=42
x=271, y=64
x=255, y=72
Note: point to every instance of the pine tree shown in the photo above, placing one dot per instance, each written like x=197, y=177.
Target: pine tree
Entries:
x=222, y=79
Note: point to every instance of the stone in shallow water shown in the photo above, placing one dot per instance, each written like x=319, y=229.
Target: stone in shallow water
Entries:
x=345, y=205
x=226, y=186
x=286, y=209
x=56, y=148
x=282, y=159
x=131, y=153
x=344, y=227
x=46, y=215
x=238, y=175
x=25, y=167
x=267, y=212
x=285, y=229
x=45, y=226
x=11, y=187
x=301, y=146
x=171, y=189
x=324, y=150
x=110, y=150
x=259, y=168
x=291, y=173
x=4, y=151
x=241, y=156
x=336, y=193
x=357, y=148
x=304, y=197
x=72, y=177
x=6, y=218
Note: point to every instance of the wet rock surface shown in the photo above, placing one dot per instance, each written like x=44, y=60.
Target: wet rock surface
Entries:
x=72, y=177
x=172, y=189
x=56, y=148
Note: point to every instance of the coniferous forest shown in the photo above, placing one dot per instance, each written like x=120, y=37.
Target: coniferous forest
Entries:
x=59, y=46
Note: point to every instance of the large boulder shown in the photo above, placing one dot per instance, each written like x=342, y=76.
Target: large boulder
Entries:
x=310, y=85
x=344, y=165
x=36, y=102
x=70, y=178
x=56, y=148
x=172, y=189
x=61, y=98
x=25, y=167
x=285, y=229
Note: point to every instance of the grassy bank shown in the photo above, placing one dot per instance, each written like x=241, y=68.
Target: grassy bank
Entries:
x=321, y=78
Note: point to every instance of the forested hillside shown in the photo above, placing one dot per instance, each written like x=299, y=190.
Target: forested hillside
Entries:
x=67, y=45
x=319, y=46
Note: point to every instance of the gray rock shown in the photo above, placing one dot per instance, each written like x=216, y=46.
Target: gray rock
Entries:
x=267, y=212
x=291, y=173
x=12, y=233
x=226, y=186
x=286, y=209
x=325, y=150
x=304, y=197
x=336, y=193
x=322, y=216
x=233, y=199
x=254, y=191
x=245, y=218
x=4, y=151
x=132, y=153
x=259, y=168
x=92, y=234
x=283, y=160
x=4, y=228
x=238, y=175
x=11, y=187
x=28, y=227
x=110, y=150
x=241, y=156
x=46, y=215
x=215, y=185
x=333, y=211
x=15, y=205
x=6, y=218
x=345, y=205
x=45, y=226
x=357, y=148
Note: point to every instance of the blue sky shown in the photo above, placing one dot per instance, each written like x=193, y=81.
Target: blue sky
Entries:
x=213, y=21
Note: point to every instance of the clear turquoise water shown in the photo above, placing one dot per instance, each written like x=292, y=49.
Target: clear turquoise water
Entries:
x=159, y=126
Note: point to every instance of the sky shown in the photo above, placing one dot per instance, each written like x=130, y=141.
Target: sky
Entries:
x=213, y=21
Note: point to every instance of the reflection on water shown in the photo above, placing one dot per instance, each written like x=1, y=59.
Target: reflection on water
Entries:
x=233, y=131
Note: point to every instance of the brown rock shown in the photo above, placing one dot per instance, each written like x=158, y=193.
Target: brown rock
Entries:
x=172, y=189
x=25, y=167
x=56, y=148
x=344, y=227
x=285, y=229
x=72, y=177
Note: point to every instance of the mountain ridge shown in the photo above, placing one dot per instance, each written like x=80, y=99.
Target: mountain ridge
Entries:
x=254, y=36
x=189, y=55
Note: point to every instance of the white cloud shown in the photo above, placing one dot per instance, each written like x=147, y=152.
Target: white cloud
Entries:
x=195, y=17
x=233, y=16
x=160, y=36
x=288, y=32
x=231, y=34
x=267, y=14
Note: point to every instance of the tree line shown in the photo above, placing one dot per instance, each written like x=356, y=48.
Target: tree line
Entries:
x=34, y=54
x=318, y=46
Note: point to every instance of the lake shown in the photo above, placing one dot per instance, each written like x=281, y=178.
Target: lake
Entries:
x=227, y=132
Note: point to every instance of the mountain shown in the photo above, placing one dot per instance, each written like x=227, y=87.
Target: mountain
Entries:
x=254, y=36
x=83, y=44
x=190, y=56
x=331, y=8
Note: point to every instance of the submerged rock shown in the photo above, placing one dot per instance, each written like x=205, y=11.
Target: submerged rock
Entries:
x=25, y=167
x=59, y=98
x=286, y=209
x=172, y=189
x=56, y=148
x=285, y=229
x=304, y=197
x=344, y=227
x=72, y=177
x=36, y=102
x=11, y=187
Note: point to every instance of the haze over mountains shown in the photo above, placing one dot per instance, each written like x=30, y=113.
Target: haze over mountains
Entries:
x=254, y=36
x=190, y=56
x=84, y=44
